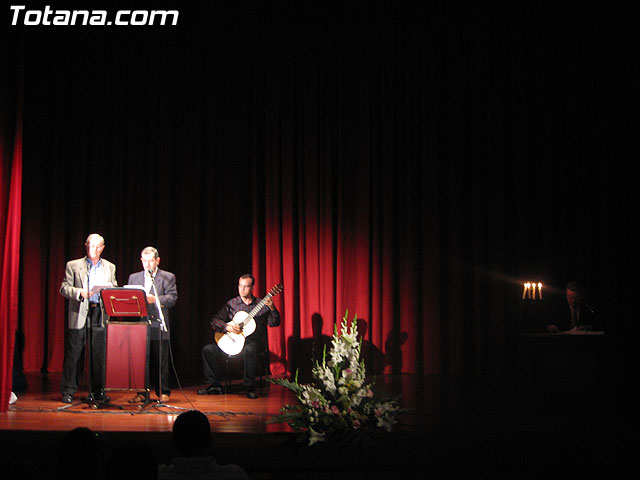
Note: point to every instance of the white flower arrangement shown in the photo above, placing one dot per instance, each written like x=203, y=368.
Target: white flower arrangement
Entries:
x=341, y=401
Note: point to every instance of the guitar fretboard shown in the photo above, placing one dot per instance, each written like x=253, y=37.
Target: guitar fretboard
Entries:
x=258, y=307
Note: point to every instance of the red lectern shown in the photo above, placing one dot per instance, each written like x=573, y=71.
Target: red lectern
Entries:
x=127, y=355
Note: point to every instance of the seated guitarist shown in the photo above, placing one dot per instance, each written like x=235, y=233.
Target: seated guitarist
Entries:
x=253, y=343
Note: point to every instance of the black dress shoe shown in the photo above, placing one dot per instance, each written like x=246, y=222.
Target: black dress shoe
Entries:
x=101, y=397
x=67, y=398
x=251, y=394
x=210, y=390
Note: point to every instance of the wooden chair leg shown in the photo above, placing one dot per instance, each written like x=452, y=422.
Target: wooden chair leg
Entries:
x=227, y=380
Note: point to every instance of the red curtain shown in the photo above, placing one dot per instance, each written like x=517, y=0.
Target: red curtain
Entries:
x=10, y=212
x=372, y=238
x=411, y=169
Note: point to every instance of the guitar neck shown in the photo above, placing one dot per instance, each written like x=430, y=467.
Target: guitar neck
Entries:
x=259, y=306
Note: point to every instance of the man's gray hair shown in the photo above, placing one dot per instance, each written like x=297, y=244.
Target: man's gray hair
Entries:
x=92, y=235
x=153, y=250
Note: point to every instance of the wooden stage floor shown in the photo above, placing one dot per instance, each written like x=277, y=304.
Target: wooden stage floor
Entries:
x=449, y=426
x=40, y=409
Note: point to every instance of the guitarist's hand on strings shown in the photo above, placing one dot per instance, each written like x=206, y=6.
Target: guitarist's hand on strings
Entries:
x=233, y=328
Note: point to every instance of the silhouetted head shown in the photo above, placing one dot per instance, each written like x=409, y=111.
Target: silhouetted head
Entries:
x=192, y=434
x=361, y=323
x=82, y=448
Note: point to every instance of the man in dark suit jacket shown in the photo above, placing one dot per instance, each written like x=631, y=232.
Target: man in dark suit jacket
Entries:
x=580, y=317
x=167, y=295
x=85, y=306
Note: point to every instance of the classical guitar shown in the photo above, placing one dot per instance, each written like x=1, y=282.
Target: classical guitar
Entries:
x=233, y=343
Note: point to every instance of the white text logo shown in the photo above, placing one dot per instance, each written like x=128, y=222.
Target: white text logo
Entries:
x=91, y=17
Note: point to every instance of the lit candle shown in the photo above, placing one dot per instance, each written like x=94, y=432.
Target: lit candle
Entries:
x=533, y=287
x=528, y=287
x=540, y=290
x=524, y=290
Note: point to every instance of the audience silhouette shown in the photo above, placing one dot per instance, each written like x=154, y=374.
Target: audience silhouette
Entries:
x=191, y=441
x=80, y=455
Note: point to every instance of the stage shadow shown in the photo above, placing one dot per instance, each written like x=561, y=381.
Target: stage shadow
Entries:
x=305, y=352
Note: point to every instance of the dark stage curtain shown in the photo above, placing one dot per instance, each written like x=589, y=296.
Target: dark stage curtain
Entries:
x=411, y=165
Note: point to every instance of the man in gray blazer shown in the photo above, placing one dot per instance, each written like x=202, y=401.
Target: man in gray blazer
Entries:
x=82, y=278
x=165, y=294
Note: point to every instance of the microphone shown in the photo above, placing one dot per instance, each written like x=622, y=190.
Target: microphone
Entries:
x=150, y=272
x=591, y=309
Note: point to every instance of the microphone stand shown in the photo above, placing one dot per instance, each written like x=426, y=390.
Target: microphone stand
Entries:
x=163, y=328
x=88, y=324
